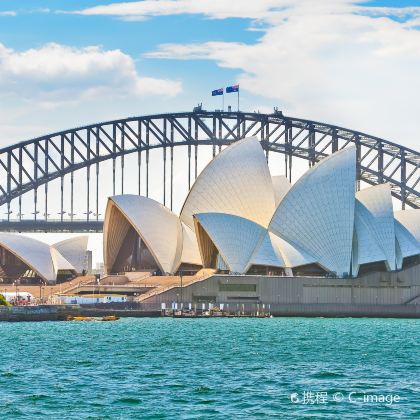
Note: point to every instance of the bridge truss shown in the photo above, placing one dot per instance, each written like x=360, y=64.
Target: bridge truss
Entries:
x=31, y=165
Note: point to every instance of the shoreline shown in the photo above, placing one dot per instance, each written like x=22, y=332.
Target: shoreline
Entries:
x=312, y=310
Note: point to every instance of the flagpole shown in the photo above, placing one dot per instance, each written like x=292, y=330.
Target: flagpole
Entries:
x=238, y=100
x=223, y=100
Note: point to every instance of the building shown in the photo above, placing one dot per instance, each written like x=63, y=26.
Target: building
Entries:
x=98, y=270
x=238, y=219
x=88, y=261
x=90, y=299
x=31, y=261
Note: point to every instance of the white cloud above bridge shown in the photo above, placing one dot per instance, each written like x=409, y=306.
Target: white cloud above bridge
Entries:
x=350, y=65
x=217, y=9
x=53, y=70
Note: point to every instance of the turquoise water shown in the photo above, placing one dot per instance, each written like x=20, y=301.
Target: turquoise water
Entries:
x=210, y=368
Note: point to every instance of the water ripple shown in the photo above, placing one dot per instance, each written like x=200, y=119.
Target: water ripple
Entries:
x=210, y=369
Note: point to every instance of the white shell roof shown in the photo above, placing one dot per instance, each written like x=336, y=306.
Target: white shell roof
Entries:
x=34, y=253
x=242, y=243
x=408, y=245
x=379, y=218
x=317, y=214
x=237, y=181
x=368, y=249
x=410, y=219
x=281, y=186
x=74, y=251
x=158, y=227
x=319, y=219
x=59, y=262
x=292, y=255
x=236, y=238
x=267, y=253
x=190, y=250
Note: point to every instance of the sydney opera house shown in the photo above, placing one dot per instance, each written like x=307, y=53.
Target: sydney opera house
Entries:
x=238, y=219
x=33, y=261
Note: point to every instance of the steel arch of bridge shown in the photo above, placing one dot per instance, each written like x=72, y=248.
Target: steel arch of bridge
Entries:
x=28, y=165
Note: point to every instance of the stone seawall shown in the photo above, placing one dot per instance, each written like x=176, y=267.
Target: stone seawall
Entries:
x=60, y=312
x=37, y=313
x=330, y=310
x=343, y=311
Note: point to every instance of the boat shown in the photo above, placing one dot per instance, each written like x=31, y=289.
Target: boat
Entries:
x=79, y=318
x=110, y=318
x=91, y=318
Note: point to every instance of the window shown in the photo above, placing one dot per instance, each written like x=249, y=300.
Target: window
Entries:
x=237, y=287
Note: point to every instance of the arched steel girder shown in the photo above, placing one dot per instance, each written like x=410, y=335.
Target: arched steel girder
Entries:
x=27, y=165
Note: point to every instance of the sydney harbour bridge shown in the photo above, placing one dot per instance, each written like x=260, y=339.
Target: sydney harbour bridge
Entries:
x=82, y=160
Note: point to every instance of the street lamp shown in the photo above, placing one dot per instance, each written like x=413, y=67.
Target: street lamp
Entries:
x=40, y=290
x=15, y=284
x=180, y=275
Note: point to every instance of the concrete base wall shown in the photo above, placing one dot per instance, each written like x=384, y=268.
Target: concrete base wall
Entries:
x=395, y=288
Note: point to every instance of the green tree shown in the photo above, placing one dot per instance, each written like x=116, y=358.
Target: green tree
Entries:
x=3, y=301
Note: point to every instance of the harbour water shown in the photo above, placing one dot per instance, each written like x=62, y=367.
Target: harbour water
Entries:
x=210, y=368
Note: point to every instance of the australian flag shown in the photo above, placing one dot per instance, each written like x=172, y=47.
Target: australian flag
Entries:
x=231, y=89
x=217, y=92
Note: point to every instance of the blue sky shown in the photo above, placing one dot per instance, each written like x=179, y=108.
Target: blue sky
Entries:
x=67, y=63
x=33, y=25
x=32, y=28
x=133, y=38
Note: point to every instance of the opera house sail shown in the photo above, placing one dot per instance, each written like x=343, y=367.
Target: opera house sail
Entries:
x=32, y=261
x=239, y=219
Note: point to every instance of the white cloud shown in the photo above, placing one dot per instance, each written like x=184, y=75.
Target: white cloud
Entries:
x=413, y=22
x=401, y=12
x=219, y=9
x=334, y=60
x=8, y=13
x=337, y=60
x=55, y=73
x=263, y=9
x=339, y=65
x=55, y=87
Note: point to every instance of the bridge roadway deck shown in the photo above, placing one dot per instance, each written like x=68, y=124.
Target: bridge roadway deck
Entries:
x=52, y=225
